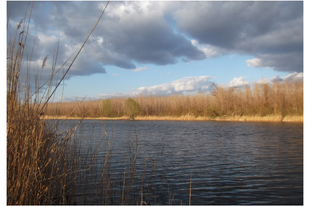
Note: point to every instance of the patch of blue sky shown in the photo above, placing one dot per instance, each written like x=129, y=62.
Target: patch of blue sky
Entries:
x=227, y=67
x=116, y=80
x=170, y=20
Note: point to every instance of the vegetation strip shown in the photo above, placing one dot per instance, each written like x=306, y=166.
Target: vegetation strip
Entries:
x=280, y=101
x=270, y=118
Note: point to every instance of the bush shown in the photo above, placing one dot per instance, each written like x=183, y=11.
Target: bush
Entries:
x=132, y=108
x=107, y=108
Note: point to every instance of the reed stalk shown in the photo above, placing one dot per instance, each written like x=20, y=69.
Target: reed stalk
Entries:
x=41, y=163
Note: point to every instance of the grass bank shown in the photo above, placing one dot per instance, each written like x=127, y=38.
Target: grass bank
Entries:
x=269, y=118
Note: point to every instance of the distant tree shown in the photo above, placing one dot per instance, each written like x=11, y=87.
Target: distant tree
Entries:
x=132, y=108
x=107, y=107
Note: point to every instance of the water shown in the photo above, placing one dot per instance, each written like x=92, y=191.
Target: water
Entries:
x=215, y=162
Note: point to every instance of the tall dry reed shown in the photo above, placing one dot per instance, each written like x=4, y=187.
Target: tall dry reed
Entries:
x=42, y=165
x=46, y=166
x=37, y=170
x=280, y=98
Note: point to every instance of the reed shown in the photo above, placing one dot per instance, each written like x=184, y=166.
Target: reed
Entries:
x=264, y=102
x=38, y=170
x=46, y=164
x=42, y=164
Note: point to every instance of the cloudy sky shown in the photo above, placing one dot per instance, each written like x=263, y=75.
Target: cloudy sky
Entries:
x=161, y=48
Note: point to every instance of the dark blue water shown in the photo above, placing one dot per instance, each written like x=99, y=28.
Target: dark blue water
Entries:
x=182, y=162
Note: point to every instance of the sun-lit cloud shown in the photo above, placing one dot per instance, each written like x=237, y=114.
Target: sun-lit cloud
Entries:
x=296, y=76
x=237, y=82
x=186, y=84
x=191, y=84
x=256, y=62
x=140, y=69
x=282, y=62
x=209, y=50
x=179, y=86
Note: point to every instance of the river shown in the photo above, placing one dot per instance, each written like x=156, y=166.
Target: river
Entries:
x=196, y=162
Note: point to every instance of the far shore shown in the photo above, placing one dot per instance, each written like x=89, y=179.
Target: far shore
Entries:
x=270, y=118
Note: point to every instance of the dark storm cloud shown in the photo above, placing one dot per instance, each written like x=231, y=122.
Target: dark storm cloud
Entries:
x=161, y=32
x=129, y=32
x=282, y=62
x=144, y=36
x=270, y=29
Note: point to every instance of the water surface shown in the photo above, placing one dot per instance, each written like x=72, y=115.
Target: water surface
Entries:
x=221, y=162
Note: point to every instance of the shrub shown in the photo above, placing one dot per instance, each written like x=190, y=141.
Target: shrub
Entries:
x=107, y=108
x=132, y=108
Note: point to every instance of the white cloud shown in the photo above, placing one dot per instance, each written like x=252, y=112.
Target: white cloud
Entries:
x=194, y=42
x=237, y=82
x=186, y=84
x=183, y=85
x=100, y=40
x=209, y=50
x=290, y=77
x=294, y=76
x=256, y=62
x=140, y=69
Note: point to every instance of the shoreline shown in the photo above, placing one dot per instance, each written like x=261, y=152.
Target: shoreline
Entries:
x=269, y=118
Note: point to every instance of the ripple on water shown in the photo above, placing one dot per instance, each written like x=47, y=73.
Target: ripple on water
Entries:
x=222, y=162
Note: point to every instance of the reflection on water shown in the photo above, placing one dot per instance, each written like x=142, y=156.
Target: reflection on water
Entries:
x=222, y=162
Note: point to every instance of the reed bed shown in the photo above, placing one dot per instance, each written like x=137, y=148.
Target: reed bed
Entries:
x=42, y=164
x=38, y=168
x=46, y=164
x=264, y=102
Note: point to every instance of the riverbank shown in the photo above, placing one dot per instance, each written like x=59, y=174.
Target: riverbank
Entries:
x=269, y=118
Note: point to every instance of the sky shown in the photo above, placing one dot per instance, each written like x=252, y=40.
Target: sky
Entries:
x=163, y=48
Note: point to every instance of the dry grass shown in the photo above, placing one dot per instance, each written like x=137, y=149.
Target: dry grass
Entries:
x=263, y=103
x=42, y=165
x=98, y=118
x=46, y=165
x=268, y=118
x=293, y=119
x=38, y=170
